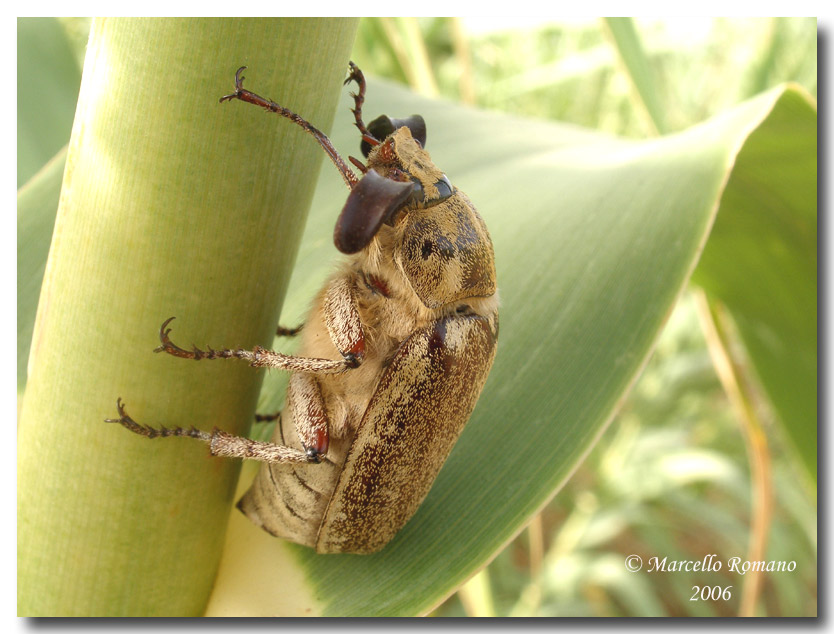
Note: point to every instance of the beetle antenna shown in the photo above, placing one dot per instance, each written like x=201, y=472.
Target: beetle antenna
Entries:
x=244, y=95
x=359, y=99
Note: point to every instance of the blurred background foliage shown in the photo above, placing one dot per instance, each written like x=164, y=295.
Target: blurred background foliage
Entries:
x=671, y=476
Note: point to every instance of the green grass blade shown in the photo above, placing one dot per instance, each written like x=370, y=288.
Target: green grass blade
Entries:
x=638, y=68
x=47, y=90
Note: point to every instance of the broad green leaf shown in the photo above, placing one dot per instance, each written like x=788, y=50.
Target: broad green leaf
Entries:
x=595, y=238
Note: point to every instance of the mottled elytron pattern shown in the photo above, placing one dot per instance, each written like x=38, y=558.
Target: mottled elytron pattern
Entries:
x=417, y=413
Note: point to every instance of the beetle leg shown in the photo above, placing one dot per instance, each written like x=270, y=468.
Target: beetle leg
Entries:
x=244, y=95
x=268, y=418
x=150, y=432
x=283, y=331
x=220, y=443
x=258, y=357
x=359, y=99
x=342, y=320
x=309, y=415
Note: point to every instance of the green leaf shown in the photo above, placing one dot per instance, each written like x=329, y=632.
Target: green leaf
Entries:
x=761, y=262
x=37, y=203
x=638, y=68
x=47, y=90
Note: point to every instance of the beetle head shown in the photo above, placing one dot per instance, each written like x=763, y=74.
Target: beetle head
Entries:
x=400, y=177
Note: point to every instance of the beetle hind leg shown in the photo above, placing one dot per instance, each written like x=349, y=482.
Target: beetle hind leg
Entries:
x=220, y=443
x=288, y=501
x=151, y=432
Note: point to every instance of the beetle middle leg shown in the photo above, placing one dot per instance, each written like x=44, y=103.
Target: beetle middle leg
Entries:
x=280, y=331
x=343, y=325
x=258, y=357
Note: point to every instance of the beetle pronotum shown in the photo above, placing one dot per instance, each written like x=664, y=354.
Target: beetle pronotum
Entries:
x=395, y=351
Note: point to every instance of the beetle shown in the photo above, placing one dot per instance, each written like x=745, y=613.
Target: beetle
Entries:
x=394, y=354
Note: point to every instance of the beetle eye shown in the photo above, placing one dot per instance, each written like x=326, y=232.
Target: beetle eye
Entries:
x=418, y=194
x=444, y=188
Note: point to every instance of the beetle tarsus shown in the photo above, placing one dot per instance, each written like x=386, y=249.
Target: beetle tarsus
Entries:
x=238, y=86
x=195, y=353
x=359, y=99
x=151, y=432
x=198, y=354
x=173, y=349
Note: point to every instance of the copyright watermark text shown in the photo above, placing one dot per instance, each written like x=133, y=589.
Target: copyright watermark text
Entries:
x=710, y=563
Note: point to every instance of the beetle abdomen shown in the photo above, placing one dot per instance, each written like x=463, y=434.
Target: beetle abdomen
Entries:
x=289, y=500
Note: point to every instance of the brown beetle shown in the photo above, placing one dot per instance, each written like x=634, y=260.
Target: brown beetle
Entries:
x=395, y=352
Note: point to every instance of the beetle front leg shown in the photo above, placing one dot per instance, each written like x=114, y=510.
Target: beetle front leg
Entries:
x=283, y=331
x=249, y=97
x=359, y=99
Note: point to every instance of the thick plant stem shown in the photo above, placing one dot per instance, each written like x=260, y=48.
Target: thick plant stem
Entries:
x=172, y=204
